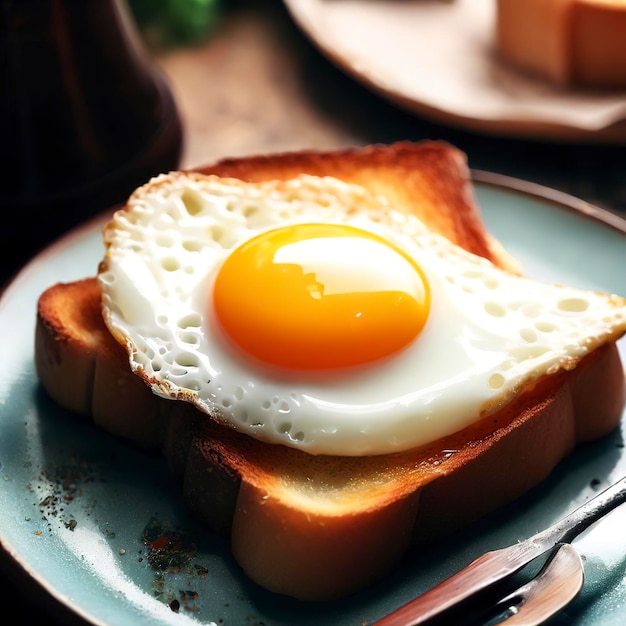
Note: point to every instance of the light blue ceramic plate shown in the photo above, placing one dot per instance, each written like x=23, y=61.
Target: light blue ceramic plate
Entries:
x=76, y=505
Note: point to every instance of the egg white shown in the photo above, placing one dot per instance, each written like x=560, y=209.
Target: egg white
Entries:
x=488, y=335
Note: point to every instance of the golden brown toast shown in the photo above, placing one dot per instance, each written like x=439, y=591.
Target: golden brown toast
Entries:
x=321, y=527
x=429, y=179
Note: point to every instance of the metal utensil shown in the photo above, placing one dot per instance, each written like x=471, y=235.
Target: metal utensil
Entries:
x=557, y=584
x=496, y=566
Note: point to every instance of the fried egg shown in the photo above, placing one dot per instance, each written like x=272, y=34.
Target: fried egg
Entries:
x=310, y=313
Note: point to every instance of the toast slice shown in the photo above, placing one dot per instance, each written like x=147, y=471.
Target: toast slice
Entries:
x=321, y=527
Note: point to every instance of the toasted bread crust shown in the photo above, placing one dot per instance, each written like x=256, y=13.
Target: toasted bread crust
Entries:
x=429, y=179
x=84, y=371
x=331, y=525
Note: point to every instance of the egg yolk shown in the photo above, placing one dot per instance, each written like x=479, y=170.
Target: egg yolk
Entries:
x=320, y=296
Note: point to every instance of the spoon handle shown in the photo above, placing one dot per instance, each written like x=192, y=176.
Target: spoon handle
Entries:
x=568, y=528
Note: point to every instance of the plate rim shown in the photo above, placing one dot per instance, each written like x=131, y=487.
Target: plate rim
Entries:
x=552, y=196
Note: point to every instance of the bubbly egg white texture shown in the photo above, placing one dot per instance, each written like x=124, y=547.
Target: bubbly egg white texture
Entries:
x=487, y=334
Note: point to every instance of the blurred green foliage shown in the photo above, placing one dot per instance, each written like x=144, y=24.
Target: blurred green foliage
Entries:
x=176, y=21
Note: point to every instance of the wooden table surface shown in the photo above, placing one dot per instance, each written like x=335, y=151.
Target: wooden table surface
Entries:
x=258, y=85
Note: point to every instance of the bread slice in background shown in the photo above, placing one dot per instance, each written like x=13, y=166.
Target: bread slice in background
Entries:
x=567, y=42
x=321, y=527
